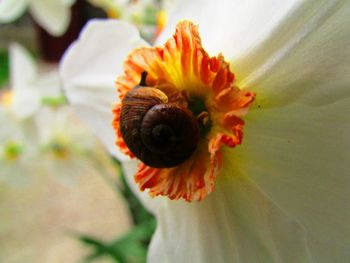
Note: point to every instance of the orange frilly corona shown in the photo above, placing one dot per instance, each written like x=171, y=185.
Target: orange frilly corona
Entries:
x=184, y=65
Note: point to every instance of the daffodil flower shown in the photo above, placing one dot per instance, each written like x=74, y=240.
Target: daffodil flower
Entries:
x=21, y=109
x=150, y=16
x=282, y=193
x=53, y=15
x=29, y=87
x=125, y=9
x=16, y=150
x=181, y=155
x=36, y=119
x=17, y=106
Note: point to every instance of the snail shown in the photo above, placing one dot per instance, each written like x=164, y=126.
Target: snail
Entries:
x=160, y=133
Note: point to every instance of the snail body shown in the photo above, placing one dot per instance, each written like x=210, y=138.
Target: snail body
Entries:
x=159, y=133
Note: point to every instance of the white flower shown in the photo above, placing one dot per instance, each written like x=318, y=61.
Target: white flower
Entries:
x=29, y=86
x=20, y=109
x=53, y=15
x=15, y=140
x=35, y=138
x=125, y=9
x=283, y=195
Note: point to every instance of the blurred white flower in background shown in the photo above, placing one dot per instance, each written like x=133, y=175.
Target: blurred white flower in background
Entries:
x=29, y=87
x=20, y=109
x=16, y=109
x=149, y=16
x=52, y=15
x=283, y=195
x=124, y=9
x=15, y=138
x=56, y=181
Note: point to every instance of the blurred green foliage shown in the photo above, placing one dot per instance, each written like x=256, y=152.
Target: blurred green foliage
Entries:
x=4, y=68
x=150, y=16
x=54, y=101
x=132, y=247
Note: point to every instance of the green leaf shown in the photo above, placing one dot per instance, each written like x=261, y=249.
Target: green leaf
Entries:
x=132, y=247
x=4, y=68
x=150, y=16
x=138, y=212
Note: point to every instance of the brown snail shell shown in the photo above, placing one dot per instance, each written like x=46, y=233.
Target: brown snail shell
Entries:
x=159, y=133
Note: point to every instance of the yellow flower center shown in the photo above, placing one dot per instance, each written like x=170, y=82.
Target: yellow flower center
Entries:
x=59, y=150
x=12, y=150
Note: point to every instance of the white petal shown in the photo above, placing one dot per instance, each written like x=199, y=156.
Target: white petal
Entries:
x=7, y=131
x=23, y=73
x=299, y=156
x=306, y=59
x=232, y=27
x=152, y=204
x=23, y=70
x=25, y=102
x=237, y=224
x=89, y=70
x=49, y=84
x=53, y=15
x=283, y=50
x=11, y=9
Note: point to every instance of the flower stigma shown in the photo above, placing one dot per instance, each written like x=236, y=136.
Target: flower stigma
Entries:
x=183, y=76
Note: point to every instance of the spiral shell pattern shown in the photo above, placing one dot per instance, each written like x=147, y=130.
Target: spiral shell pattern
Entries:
x=159, y=133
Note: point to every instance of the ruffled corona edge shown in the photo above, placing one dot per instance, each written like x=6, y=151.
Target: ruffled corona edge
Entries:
x=184, y=64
